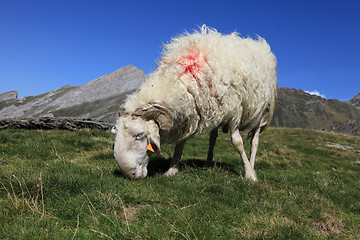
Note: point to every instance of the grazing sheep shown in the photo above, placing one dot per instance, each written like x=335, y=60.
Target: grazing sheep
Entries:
x=204, y=80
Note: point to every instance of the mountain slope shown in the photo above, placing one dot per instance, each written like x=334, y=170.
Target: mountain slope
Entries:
x=79, y=101
x=355, y=101
x=296, y=108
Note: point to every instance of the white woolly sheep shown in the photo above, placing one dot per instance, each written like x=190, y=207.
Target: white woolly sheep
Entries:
x=203, y=81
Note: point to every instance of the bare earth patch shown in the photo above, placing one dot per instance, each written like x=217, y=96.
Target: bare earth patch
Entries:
x=331, y=226
x=130, y=212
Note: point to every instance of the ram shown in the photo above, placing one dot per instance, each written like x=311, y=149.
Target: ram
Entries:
x=203, y=81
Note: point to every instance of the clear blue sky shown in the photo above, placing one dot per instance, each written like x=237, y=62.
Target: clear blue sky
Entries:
x=47, y=44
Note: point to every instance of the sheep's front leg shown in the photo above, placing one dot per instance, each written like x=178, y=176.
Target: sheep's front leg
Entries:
x=254, y=146
x=212, y=142
x=239, y=146
x=174, y=165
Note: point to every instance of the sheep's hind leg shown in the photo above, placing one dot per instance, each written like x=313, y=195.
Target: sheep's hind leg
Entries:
x=239, y=146
x=212, y=142
x=174, y=165
x=254, y=146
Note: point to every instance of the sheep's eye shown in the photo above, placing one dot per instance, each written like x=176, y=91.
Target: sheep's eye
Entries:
x=139, y=136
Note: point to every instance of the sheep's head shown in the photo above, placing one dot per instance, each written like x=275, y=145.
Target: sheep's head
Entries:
x=137, y=136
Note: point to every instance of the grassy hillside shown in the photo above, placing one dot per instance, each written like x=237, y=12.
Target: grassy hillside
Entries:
x=66, y=185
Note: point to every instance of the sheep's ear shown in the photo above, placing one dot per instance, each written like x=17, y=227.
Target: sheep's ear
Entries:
x=160, y=114
x=153, y=137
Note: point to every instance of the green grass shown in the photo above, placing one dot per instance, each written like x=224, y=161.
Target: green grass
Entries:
x=66, y=185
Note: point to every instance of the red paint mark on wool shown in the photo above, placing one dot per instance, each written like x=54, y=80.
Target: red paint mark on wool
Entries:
x=192, y=64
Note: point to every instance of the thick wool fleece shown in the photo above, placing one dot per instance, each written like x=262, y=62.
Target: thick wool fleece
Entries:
x=207, y=79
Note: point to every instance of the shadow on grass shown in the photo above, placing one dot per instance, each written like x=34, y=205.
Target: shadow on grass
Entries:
x=159, y=165
x=200, y=164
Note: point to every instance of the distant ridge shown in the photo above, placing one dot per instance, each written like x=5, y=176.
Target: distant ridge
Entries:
x=100, y=100
x=298, y=109
x=92, y=100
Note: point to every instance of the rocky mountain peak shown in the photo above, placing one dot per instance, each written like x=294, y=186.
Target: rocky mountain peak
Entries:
x=123, y=80
x=356, y=101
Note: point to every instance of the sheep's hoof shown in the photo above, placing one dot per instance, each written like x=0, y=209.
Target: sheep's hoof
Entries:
x=171, y=172
x=250, y=174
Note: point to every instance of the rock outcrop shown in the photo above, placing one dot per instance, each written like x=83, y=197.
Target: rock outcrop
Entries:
x=53, y=124
x=351, y=127
x=8, y=96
